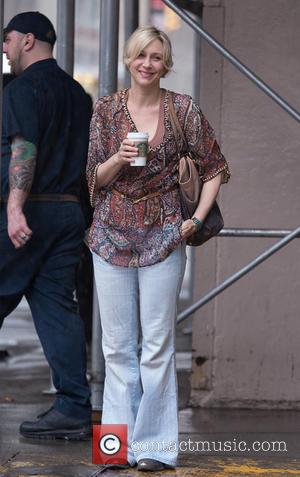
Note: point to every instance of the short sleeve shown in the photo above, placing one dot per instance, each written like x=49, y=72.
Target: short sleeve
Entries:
x=203, y=146
x=20, y=112
x=96, y=154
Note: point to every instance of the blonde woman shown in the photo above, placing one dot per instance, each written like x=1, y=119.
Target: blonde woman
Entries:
x=138, y=244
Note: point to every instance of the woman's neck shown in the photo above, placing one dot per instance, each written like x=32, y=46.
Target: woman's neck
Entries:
x=141, y=97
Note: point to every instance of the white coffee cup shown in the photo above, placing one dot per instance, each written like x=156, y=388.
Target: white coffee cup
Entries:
x=140, y=140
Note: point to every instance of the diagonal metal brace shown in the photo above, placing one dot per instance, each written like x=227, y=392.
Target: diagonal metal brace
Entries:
x=236, y=276
x=233, y=60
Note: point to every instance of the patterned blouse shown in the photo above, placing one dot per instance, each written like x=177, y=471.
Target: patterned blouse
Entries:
x=137, y=217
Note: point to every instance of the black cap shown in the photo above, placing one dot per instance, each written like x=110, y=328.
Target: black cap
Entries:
x=33, y=22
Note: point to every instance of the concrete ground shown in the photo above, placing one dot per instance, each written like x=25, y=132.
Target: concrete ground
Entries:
x=214, y=442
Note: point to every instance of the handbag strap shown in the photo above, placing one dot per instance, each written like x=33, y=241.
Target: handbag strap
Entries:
x=177, y=129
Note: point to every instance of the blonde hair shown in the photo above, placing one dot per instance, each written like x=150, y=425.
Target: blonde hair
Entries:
x=141, y=38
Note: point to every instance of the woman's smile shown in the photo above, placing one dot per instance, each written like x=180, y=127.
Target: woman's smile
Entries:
x=146, y=74
x=148, y=66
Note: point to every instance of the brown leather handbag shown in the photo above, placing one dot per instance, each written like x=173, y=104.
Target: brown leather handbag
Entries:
x=190, y=187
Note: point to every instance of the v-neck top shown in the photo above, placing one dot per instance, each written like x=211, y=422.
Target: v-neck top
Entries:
x=157, y=138
x=125, y=231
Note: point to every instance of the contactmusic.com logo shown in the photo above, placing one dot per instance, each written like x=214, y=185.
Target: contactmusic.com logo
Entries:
x=110, y=444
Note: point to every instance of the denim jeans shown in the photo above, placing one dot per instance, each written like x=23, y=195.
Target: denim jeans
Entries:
x=44, y=271
x=140, y=385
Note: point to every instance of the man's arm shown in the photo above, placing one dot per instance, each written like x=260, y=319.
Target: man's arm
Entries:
x=21, y=173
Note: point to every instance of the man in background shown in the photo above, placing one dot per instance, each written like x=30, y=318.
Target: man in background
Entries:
x=46, y=117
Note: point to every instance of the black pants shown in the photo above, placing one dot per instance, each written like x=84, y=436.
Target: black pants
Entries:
x=44, y=271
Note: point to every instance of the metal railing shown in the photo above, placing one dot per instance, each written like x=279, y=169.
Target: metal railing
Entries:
x=242, y=232
x=234, y=60
x=246, y=269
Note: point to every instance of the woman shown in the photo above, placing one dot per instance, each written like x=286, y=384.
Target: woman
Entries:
x=138, y=244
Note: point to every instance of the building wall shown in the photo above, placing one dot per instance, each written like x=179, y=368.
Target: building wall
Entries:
x=12, y=7
x=245, y=342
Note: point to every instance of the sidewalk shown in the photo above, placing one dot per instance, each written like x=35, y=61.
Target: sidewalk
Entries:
x=24, y=375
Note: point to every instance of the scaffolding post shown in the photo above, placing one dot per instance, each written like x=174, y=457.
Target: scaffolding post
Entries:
x=65, y=34
x=108, y=82
x=131, y=23
x=197, y=65
x=97, y=358
x=109, y=36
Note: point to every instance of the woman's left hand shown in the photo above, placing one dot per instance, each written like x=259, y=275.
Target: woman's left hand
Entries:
x=187, y=229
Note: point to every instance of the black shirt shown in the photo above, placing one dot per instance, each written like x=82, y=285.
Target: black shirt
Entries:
x=48, y=108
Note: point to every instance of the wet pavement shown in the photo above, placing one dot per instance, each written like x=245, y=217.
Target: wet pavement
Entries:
x=213, y=442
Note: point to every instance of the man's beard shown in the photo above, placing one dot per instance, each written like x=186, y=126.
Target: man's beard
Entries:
x=15, y=66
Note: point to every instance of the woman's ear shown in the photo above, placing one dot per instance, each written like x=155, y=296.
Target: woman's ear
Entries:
x=165, y=73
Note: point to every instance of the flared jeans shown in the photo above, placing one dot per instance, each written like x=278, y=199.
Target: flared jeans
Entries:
x=138, y=317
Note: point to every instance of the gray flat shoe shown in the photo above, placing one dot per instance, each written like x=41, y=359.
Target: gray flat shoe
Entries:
x=151, y=465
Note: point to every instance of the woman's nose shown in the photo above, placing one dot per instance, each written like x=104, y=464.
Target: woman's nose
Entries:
x=147, y=62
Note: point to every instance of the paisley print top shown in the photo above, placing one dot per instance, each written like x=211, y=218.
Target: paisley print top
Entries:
x=129, y=232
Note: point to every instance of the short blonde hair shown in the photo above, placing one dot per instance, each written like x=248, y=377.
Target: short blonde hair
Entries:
x=141, y=38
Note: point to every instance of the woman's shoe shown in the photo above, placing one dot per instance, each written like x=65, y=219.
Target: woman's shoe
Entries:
x=151, y=465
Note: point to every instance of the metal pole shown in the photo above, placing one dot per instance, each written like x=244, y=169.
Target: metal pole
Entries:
x=197, y=65
x=242, y=232
x=52, y=389
x=97, y=358
x=196, y=96
x=108, y=60
x=238, y=64
x=131, y=18
x=236, y=276
x=108, y=80
x=65, y=34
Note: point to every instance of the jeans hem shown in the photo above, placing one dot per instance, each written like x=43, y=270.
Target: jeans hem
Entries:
x=157, y=457
x=72, y=411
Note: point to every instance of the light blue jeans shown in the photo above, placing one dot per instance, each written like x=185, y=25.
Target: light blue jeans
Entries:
x=140, y=385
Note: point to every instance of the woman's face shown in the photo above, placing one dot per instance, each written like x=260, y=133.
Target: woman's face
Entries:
x=148, y=68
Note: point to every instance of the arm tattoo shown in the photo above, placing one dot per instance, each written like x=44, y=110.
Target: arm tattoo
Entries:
x=22, y=164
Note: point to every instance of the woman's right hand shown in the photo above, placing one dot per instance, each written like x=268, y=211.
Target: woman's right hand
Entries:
x=107, y=172
x=127, y=152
